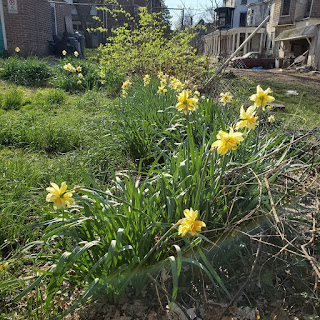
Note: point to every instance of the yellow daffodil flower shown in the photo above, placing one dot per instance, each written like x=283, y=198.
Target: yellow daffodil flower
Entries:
x=185, y=103
x=3, y=265
x=189, y=223
x=102, y=75
x=271, y=118
x=73, y=69
x=64, y=52
x=225, y=97
x=262, y=98
x=59, y=196
x=146, y=80
x=165, y=77
x=103, y=81
x=124, y=93
x=80, y=75
x=163, y=82
x=76, y=54
x=178, y=85
x=197, y=93
x=247, y=118
x=79, y=82
x=162, y=90
x=17, y=49
x=79, y=69
x=160, y=74
x=126, y=85
x=227, y=141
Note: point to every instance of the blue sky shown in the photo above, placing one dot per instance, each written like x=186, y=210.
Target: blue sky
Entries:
x=196, y=8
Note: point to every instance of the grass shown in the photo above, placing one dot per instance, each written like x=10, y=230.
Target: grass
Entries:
x=301, y=111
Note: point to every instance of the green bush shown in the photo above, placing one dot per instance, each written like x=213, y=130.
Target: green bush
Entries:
x=146, y=49
x=30, y=72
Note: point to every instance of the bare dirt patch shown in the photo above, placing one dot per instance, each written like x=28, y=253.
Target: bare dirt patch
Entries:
x=293, y=77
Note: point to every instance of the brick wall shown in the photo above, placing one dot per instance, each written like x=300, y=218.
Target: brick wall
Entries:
x=31, y=27
x=278, y=19
x=62, y=10
x=315, y=10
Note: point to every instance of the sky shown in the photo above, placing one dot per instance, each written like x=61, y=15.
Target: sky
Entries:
x=197, y=8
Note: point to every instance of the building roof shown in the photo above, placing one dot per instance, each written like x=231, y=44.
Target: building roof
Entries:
x=298, y=33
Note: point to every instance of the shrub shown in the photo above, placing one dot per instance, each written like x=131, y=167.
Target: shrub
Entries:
x=30, y=72
x=145, y=49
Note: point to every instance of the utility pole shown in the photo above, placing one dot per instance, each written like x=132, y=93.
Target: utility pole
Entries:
x=182, y=19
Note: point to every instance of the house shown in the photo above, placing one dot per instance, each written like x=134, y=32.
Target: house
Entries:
x=233, y=30
x=297, y=30
x=29, y=24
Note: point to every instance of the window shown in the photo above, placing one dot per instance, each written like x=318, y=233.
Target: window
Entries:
x=285, y=7
x=244, y=2
x=243, y=18
x=308, y=9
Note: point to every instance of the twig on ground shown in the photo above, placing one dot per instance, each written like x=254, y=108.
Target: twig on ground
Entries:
x=183, y=309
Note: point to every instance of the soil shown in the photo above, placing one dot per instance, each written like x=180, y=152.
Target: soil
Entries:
x=293, y=77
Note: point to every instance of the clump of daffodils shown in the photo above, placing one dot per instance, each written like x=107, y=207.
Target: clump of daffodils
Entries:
x=126, y=85
x=146, y=80
x=59, y=196
x=189, y=223
x=186, y=103
x=176, y=84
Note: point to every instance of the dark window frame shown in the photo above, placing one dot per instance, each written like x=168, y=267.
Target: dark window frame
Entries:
x=285, y=8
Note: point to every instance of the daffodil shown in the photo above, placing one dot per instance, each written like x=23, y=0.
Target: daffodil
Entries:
x=225, y=97
x=76, y=54
x=271, y=118
x=64, y=52
x=3, y=265
x=146, y=80
x=165, y=77
x=79, y=82
x=103, y=81
x=163, y=82
x=160, y=74
x=124, y=93
x=72, y=69
x=197, y=93
x=227, y=141
x=102, y=75
x=162, y=90
x=126, y=85
x=17, y=49
x=80, y=76
x=185, y=103
x=247, y=118
x=79, y=69
x=262, y=98
x=189, y=223
x=59, y=196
